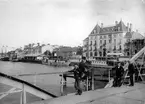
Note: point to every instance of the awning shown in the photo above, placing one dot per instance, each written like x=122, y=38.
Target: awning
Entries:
x=117, y=54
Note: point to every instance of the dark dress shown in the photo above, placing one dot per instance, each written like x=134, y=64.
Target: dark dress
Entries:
x=119, y=72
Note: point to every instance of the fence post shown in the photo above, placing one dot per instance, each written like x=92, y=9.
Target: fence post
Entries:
x=62, y=82
x=23, y=95
x=109, y=75
x=87, y=84
x=35, y=79
x=92, y=78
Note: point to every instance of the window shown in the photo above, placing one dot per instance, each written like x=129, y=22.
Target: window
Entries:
x=95, y=54
x=94, y=31
x=100, y=41
x=104, y=36
x=100, y=53
x=100, y=37
x=91, y=54
x=95, y=43
x=115, y=41
x=114, y=35
x=104, y=41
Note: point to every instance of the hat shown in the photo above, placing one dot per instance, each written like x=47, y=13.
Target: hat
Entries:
x=84, y=58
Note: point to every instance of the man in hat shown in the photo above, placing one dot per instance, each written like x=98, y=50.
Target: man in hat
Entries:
x=119, y=72
x=81, y=74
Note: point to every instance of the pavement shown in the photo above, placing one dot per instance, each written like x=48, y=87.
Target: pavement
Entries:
x=118, y=95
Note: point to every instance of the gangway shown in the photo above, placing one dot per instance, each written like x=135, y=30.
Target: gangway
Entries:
x=25, y=87
x=137, y=55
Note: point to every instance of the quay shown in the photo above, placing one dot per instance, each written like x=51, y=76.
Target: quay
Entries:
x=119, y=95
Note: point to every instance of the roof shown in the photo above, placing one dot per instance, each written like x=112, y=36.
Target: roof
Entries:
x=86, y=39
x=134, y=35
x=120, y=27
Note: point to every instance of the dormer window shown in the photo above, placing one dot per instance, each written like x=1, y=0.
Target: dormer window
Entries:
x=94, y=31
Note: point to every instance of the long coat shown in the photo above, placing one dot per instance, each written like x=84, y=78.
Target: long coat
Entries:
x=131, y=69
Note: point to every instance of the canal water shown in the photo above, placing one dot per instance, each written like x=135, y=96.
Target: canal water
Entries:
x=48, y=82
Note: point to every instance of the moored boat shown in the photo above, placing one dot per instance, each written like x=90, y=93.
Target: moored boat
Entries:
x=5, y=58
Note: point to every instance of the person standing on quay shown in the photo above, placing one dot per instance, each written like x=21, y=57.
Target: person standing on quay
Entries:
x=119, y=72
x=77, y=78
x=80, y=73
x=131, y=72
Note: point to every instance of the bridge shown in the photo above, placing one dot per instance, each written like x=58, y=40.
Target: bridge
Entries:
x=23, y=86
x=120, y=95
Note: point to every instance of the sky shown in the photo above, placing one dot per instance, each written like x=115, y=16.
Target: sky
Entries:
x=63, y=22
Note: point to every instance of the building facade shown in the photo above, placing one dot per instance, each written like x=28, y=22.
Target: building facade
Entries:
x=134, y=43
x=103, y=40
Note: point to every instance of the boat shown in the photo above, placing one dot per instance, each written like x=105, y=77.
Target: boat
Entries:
x=55, y=62
x=5, y=58
x=15, y=60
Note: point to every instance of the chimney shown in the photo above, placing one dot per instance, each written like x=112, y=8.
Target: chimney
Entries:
x=38, y=44
x=130, y=27
x=101, y=25
x=127, y=27
x=116, y=22
x=137, y=31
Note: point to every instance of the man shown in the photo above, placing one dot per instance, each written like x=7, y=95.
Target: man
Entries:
x=131, y=72
x=119, y=71
x=77, y=77
x=80, y=75
x=83, y=68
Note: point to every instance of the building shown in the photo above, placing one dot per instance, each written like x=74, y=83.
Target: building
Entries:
x=68, y=52
x=134, y=43
x=106, y=39
x=86, y=47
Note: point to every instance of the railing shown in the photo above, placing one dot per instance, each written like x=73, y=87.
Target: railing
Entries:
x=24, y=86
x=132, y=60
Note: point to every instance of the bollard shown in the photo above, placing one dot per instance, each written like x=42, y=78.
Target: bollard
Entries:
x=92, y=79
x=87, y=84
x=35, y=79
x=109, y=75
x=23, y=95
x=62, y=82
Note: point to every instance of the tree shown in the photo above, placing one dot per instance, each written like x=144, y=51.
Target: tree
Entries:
x=47, y=53
x=79, y=51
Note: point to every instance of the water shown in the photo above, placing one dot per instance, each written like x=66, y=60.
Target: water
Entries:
x=49, y=82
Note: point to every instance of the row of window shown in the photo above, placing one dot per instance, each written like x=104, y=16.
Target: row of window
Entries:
x=104, y=42
x=105, y=36
x=108, y=30
x=97, y=53
x=110, y=48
